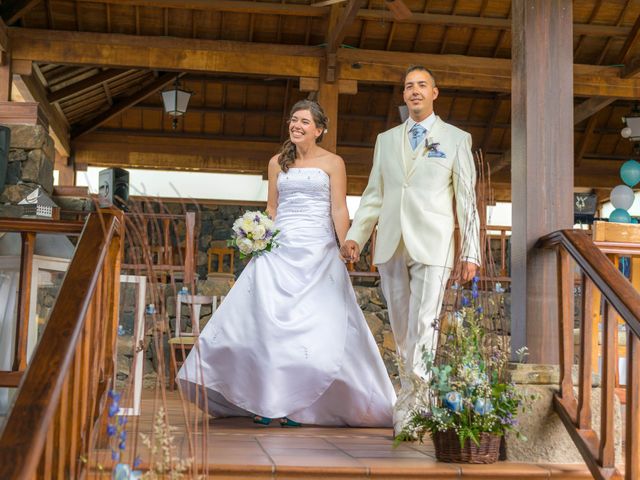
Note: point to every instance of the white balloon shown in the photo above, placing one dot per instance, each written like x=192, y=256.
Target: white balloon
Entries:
x=622, y=197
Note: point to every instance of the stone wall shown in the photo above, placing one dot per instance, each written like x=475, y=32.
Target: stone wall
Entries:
x=31, y=160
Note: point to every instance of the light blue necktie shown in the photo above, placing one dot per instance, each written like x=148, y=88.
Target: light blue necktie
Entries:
x=416, y=134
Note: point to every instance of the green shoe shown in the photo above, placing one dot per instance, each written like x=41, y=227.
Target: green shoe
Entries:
x=261, y=420
x=287, y=422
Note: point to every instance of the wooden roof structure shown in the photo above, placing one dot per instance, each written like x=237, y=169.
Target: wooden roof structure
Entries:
x=97, y=68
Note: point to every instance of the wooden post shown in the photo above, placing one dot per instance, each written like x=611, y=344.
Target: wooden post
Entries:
x=5, y=77
x=328, y=100
x=66, y=171
x=24, y=296
x=542, y=166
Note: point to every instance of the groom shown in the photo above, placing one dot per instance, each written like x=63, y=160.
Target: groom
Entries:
x=421, y=169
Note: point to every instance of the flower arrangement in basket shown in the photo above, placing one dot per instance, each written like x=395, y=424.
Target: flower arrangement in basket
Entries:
x=253, y=234
x=467, y=404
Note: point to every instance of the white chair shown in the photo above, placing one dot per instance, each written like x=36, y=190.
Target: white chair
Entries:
x=184, y=337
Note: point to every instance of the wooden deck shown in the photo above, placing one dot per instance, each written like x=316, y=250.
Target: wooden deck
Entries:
x=238, y=449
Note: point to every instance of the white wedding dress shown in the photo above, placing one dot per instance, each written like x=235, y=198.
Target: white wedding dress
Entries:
x=290, y=340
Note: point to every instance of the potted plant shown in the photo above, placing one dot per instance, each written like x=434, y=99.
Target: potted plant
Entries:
x=467, y=403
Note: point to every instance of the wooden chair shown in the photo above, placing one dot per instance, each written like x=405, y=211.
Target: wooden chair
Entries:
x=184, y=338
x=220, y=254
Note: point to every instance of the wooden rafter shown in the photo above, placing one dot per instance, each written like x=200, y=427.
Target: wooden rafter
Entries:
x=630, y=42
x=631, y=64
x=584, y=140
x=590, y=107
x=594, y=14
x=348, y=16
x=490, y=125
x=610, y=40
x=32, y=90
x=124, y=104
x=632, y=68
x=485, y=22
x=587, y=109
x=4, y=37
x=84, y=85
x=13, y=10
x=235, y=6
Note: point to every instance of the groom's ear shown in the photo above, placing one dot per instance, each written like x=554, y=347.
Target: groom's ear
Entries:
x=436, y=92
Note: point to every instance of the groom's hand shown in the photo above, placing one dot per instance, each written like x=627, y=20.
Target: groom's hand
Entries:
x=468, y=271
x=350, y=251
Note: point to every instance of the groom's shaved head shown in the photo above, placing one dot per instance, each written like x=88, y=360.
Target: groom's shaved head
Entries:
x=420, y=68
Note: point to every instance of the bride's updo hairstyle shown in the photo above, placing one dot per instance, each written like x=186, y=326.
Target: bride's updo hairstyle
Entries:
x=288, y=152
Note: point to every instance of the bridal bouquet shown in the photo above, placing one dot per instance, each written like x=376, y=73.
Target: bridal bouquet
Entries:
x=253, y=233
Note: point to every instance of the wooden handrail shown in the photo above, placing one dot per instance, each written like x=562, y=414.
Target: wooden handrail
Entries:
x=613, y=285
x=41, y=226
x=599, y=277
x=61, y=393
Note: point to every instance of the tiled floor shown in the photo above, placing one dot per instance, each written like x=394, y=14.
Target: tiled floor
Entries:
x=237, y=448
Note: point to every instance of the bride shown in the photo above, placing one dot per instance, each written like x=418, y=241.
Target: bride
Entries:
x=290, y=341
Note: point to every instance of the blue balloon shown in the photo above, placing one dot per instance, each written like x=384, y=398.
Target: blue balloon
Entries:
x=620, y=216
x=630, y=172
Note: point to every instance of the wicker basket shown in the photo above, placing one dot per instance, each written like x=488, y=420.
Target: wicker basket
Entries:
x=448, y=448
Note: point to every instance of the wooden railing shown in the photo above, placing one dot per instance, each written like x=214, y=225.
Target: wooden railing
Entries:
x=599, y=277
x=53, y=423
x=490, y=234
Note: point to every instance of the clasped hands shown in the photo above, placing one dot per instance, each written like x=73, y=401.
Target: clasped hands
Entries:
x=350, y=251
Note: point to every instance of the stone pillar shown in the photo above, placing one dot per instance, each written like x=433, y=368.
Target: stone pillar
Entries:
x=31, y=159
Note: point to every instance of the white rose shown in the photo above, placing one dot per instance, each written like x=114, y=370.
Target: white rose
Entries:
x=259, y=232
x=248, y=225
x=259, y=245
x=245, y=245
x=237, y=226
x=268, y=224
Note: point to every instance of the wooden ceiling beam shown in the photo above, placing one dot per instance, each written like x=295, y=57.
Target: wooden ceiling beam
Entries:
x=13, y=10
x=33, y=91
x=160, y=53
x=477, y=73
x=124, y=104
x=164, y=53
x=84, y=85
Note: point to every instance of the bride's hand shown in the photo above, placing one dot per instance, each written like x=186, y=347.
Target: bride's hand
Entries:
x=350, y=251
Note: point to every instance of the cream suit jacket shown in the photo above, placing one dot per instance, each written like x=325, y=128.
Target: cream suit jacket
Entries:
x=411, y=195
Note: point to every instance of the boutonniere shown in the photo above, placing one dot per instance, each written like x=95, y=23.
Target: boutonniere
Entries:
x=432, y=149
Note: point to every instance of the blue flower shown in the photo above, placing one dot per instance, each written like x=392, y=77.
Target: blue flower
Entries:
x=136, y=462
x=453, y=401
x=113, y=409
x=479, y=310
x=122, y=420
x=122, y=472
x=476, y=279
x=115, y=455
x=483, y=406
x=115, y=396
x=465, y=301
x=111, y=430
